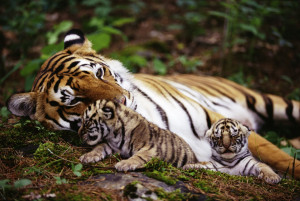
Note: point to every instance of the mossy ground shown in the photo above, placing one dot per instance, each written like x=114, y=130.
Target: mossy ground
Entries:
x=49, y=160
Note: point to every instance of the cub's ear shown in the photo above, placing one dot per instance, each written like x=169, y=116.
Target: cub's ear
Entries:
x=22, y=104
x=245, y=130
x=208, y=132
x=76, y=41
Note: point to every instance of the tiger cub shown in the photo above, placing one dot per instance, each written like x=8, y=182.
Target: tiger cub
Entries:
x=115, y=128
x=230, y=154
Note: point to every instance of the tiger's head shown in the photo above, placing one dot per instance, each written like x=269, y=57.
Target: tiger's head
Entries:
x=228, y=139
x=67, y=83
x=98, y=121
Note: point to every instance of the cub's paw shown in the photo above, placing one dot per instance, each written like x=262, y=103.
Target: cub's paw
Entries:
x=91, y=157
x=195, y=165
x=269, y=176
x=128, y=165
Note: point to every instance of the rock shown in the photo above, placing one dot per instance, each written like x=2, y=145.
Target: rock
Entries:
x=136, y=186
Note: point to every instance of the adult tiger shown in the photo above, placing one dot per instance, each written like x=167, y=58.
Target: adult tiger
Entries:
x=185, y=104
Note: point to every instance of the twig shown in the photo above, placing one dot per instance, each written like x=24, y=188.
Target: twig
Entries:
x=103, y=168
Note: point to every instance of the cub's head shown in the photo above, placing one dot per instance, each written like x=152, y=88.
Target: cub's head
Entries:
x=228, y=138
x=98, y=121
x=67, y=83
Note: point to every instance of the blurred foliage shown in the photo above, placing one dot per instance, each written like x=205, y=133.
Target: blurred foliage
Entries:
x=4, y=113
x=244, y=17
x=245, y=23
x=240, y=78
x=27, y=19
x=191, y=19
x=281, y=142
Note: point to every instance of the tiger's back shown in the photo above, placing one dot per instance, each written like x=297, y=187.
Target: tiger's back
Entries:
x=128, y=133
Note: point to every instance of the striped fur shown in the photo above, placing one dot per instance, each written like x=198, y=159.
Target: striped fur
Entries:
x=115, y=128
x=230, y=154
x=187, y=105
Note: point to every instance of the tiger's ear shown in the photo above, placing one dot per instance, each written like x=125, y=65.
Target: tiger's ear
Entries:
x=76, y=41
x=22, y=104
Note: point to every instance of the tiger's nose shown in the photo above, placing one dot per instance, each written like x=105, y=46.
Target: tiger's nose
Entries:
x=226, y=140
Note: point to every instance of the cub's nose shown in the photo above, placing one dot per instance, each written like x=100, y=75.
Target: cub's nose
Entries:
x=226, y=140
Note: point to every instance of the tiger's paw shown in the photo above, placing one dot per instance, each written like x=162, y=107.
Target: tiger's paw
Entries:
x=128, y=165
x=91, y=157
x=269, y=176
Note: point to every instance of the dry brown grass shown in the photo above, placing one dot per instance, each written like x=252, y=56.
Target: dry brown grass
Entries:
x=18, y=160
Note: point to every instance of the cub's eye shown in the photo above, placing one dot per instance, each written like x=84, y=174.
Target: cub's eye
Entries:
x=107, y=109
x=234, y=132
x=218, y=133
x=108, y=112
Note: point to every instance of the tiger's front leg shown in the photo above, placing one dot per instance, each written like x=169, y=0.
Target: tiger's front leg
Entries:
x=97, y=154
x=137, y=161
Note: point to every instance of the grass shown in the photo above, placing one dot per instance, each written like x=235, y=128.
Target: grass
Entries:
x=38, y=163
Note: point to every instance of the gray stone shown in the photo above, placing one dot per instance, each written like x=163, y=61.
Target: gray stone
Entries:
x=141, y=186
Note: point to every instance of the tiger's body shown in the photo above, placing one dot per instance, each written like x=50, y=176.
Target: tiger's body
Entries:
x=230, y=154
x=115, y=128
x=185, y=104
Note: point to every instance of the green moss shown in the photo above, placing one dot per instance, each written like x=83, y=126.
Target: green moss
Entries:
x=161, y=171
x=183, y=178
x=205, y=186
x=161, y=176
x=47, y=155
x=48, y=149
x=173, y=196
x=78, y=196
x=98, y=171
x=221, y=175
x=26, y=135
x=290, y=184
x=159, y=165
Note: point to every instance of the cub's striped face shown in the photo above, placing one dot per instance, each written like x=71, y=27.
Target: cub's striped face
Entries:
x=228, y=138
x=98, y=119
x=67, y=83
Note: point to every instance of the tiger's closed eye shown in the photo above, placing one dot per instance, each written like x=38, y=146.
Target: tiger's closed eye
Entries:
x=74, y=101
x=100, y=73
